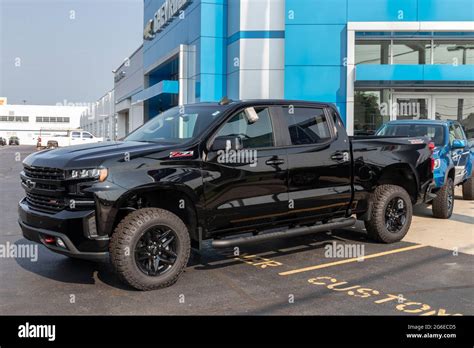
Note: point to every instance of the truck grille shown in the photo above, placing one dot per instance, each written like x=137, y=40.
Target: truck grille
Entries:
x=44, y=173
x=45, y=203
x=46, y=191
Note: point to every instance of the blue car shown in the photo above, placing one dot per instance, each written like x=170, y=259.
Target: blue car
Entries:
x=453, y=158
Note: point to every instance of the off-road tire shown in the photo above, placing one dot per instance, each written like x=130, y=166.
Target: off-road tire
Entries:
x=375, y=226
x=441, y=208
x=468, y=189
x=126, y=236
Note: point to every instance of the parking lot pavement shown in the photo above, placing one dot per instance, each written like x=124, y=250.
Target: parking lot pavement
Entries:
x=429, y=273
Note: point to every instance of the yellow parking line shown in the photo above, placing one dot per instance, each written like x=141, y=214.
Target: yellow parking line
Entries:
x=355, y=259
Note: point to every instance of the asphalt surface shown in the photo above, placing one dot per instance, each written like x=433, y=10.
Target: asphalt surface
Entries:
x=293, y=276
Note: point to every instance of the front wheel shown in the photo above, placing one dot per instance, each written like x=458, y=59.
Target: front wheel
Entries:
x=443, y=204
x=391, y=215
x=468, y=189
x=150, y=248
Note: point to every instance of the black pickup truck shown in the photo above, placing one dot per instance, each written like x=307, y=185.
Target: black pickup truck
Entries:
x=228, y=171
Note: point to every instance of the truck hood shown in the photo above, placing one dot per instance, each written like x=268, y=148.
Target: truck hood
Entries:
x=91, y=155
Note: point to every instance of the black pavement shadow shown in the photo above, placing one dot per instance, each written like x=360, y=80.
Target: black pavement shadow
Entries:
x=69, y=270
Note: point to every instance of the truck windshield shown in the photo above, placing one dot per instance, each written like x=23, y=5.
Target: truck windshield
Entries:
x=177, y=125
x=435, y=132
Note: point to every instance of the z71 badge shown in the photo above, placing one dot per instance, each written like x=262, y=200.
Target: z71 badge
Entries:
x=181, y=154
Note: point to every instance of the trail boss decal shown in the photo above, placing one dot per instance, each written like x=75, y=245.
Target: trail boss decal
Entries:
x=416, y=141
x=181, y=154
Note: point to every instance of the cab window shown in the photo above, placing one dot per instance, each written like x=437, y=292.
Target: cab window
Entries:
x=455, y=133
x=307, y=125
x=255, y=135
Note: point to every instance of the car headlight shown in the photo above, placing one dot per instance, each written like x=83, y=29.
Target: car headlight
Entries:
x=95, y=173
x=437, y=163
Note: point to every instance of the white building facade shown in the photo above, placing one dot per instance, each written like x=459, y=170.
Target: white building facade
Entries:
x=29, y=121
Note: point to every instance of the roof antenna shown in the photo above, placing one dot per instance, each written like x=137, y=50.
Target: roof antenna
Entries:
x=225, y=101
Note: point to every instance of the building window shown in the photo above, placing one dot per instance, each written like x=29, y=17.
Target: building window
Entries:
x=371, y=110
x=416, y=52
x=372, y=52
x=14, y=119
x=411, y=52
x=46, y=119
x=453, y=52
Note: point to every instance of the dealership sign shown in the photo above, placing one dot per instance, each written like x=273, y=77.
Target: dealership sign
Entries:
x=163, y=17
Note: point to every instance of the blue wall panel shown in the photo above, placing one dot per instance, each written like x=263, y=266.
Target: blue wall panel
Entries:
x=382, y=10
x=414, y=73
x=446, y=10
x=315, y=44
x=317, y=83
x=316, y=11
x=213, y=54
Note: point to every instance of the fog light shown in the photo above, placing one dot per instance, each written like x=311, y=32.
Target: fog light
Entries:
x=60, y=243
x=49, y=240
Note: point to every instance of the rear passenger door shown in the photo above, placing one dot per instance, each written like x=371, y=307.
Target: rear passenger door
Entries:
x=319, y=163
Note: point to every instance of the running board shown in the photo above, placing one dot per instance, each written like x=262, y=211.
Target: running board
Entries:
x=298, y=231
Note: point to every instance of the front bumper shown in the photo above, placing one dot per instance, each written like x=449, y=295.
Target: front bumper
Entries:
x=76, y=228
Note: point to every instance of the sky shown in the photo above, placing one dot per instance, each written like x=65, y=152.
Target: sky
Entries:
x=63, y=51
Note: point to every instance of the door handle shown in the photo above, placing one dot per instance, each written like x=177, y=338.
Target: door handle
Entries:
x=340, y=156
x=275, y=162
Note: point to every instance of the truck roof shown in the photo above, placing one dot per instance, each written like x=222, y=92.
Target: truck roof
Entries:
x=266, y=102
x=438, y=122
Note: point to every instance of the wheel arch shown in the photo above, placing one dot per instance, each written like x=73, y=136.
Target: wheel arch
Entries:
x=178, y=199
x=403, y=175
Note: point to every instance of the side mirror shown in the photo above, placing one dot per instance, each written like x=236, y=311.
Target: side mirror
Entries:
x=251, y=115
x=226, y=143
x=459, y=144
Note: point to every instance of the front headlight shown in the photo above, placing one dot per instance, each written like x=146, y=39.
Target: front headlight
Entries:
x=95, y=173
x=437, y=163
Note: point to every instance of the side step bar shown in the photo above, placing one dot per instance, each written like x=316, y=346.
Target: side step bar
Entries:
x=298, y=231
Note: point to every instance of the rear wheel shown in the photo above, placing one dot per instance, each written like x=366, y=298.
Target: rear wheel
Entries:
x=443, y=204
x=150, y=248
x=391, y=214
x=468, y=189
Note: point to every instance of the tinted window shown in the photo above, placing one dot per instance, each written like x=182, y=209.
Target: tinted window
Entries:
x=436, y=133
x=177, y=125
x=455, y=132
x=307, y=126
x=258, y=134
x=76, y=134
x=87, y=135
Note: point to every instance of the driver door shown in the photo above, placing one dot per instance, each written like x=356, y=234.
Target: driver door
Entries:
x=248, y=186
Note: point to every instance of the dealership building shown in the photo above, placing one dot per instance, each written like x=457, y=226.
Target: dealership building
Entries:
x=376, y=60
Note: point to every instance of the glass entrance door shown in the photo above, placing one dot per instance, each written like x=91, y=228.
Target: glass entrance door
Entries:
x=412, y=106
